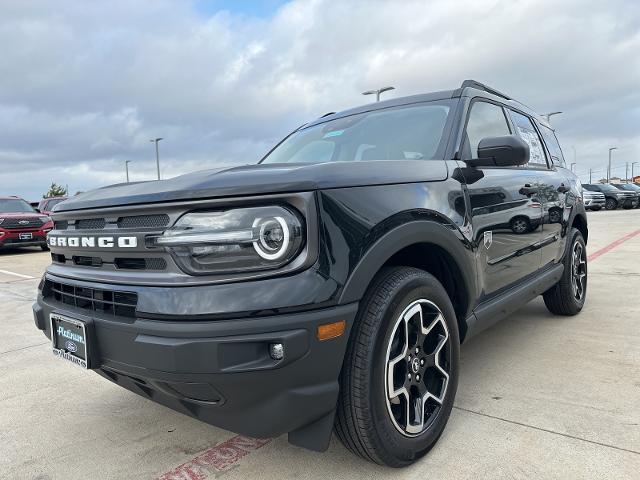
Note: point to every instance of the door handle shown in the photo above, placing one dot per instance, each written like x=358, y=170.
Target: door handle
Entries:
x=528, y=190
x=563, y=188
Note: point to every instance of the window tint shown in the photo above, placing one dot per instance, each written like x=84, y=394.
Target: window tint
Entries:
x=404, y=133
x=485, y=120
x=528, y=133
x=552, y=144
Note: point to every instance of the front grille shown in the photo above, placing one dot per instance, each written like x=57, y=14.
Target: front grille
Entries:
x=144, y=221
x=135, y=221
x=140, y=263
x=116, y=303
x=90, y=224
x=21, y=223
x=87, y=261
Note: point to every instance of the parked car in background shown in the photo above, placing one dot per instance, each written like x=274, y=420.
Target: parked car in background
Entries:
x=35, y=204
x=593, y=200
x=21, y=225
x=630, y=187
x=46, y=204
x=614, y=197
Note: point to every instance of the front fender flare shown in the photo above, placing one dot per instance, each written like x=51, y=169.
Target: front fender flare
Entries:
x=411, y=233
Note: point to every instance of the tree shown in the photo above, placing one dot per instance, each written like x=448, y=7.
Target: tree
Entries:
x=55, y=190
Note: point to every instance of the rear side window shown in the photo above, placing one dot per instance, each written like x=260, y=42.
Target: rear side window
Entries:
x=527, y=131
x=553, y=145
x=485, y=120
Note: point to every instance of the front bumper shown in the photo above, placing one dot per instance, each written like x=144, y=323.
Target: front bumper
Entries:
x=11, y=238
x=220, y=371
x=594, y=202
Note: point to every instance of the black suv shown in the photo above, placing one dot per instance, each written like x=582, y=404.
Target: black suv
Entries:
x=330, y=285
x=630, y=187
x=614, y=197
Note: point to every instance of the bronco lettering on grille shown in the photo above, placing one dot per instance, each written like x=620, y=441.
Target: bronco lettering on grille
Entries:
x=91, y=242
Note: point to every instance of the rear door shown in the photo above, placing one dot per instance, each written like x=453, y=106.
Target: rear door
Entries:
x=553, y=188
x=506, y=213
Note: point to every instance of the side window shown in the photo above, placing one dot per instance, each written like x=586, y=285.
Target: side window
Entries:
x=528, y=133
x=551, y=140
x=485, y=120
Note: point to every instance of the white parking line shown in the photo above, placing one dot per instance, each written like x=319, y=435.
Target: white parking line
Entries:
x=7, y=272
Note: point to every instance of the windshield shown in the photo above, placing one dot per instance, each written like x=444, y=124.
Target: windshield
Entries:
x=630, y=187
x=15, y=205
x=401, y=133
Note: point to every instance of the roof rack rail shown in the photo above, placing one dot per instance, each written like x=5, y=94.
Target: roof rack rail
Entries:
x=482, y=86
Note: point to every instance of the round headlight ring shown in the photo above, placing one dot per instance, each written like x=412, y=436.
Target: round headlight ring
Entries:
x=261, y=246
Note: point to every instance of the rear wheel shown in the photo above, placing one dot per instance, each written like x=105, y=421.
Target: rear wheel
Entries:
x=611, y=204
x=520, y=225
x=567, y=297
x=400, y=372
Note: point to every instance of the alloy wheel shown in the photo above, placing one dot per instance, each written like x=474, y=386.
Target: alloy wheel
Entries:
x=417, y=370
x=578, y=270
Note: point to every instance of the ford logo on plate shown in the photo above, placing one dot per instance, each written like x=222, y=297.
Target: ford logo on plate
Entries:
x=70, y=346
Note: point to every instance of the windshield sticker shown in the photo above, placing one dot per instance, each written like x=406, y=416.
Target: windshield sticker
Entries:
x=335, y=133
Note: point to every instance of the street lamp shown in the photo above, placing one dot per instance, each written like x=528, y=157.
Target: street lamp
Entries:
x=156, y=140
x=378, y=92
x=632, y=177
x=572, y=164
x=126, y=168
x=609, y=168
x=549, y=115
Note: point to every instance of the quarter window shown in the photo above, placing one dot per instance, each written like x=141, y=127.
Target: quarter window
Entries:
x=552, y=144
x=528, y=133
x=485, y=120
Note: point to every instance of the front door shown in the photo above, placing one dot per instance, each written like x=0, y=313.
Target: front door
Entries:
x=506, y=212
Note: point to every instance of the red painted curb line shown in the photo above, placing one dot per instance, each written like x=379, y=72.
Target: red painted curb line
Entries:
x=612, y=245
x=216, y=459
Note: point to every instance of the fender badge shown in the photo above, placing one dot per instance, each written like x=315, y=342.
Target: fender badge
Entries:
x=488, y=239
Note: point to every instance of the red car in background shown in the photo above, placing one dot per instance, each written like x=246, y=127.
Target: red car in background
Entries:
x=21, y=225
x=46, y=204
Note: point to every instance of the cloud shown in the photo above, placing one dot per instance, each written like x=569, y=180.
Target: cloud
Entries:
x=85, y=85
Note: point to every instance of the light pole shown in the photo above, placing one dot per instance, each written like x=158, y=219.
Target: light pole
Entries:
x=156, y=140
x=609, y=168
x=378, y=92
x=549, y=115
x=572, y=164
x=632, y=177
x=126, y=168
x=590, y=170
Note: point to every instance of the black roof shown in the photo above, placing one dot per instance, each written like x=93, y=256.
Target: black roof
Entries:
x=469, y=88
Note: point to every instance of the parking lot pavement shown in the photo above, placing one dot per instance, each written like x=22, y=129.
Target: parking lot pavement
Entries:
x=539, y=397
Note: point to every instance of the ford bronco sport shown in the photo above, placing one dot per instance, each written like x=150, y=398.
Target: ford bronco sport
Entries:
x=331, y=285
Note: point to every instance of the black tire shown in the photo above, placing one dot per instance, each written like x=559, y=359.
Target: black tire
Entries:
x=595, y=209
x=364, y=421
x=610, y=204
x=44, y=248
x=520, y=225
x=561, y=299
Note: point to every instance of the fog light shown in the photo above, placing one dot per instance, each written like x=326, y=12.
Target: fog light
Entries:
x=276, y=351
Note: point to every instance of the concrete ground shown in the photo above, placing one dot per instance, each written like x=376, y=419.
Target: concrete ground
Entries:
x=539, y=397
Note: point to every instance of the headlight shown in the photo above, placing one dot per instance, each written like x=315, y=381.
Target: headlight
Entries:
x=237, y=240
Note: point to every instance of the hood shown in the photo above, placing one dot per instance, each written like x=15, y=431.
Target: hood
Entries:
x=260, y=179
x=21, y=214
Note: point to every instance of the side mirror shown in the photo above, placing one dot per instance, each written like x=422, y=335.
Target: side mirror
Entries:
x=505, y=151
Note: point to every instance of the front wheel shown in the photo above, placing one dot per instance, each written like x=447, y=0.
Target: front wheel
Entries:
x=400, y=372
x=567, y=297
x=611, y=204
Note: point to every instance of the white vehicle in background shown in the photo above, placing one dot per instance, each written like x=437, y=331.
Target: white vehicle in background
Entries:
x=593, y=200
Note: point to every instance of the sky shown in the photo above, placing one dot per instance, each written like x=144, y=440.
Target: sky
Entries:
x=85, y=85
